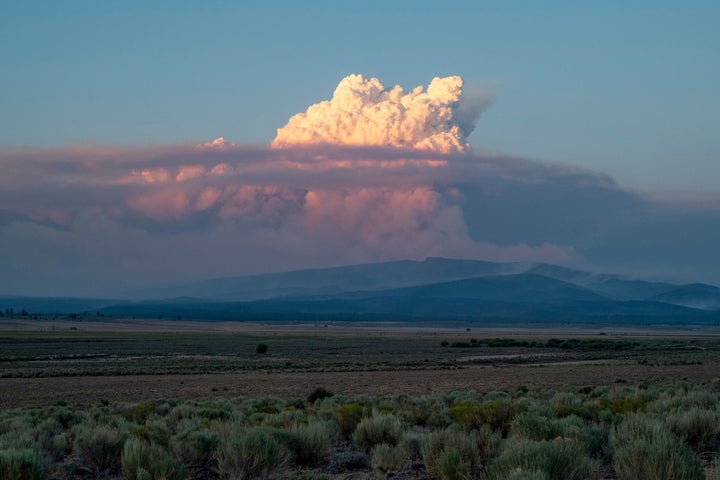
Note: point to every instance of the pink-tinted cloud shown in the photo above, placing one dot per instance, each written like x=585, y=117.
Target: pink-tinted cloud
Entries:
x=369, y=203
x=372, y=174
x=132, y=214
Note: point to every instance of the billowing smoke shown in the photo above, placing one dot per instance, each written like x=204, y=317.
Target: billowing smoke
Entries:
x=363, y=112
x=372, y=174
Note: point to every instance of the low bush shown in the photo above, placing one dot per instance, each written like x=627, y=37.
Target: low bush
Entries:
x=143, y=460
x=520, y=474
x=498, y=413
x=450, y=464
x=99, y=448
x=411, y=442
x=348, y=416
x=318, y=394
x=645, y=449
x=51, y=438
x=310, y=443
x=196, y=447
x=536, y=427
x=469, y=452
x=566, y=403
x=250, y=453
x=154, y=430
x=22, y=465
x=285, y=419
x=699, y=427
x=568, y=435
x=377, y=429
x=388, y=458
x=139, y=412
x=558, y=459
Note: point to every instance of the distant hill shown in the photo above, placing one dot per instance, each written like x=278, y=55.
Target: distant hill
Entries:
x=373, y=276
x=433, y=290
x=506, y=288
x=612, y=286
x=696, y=295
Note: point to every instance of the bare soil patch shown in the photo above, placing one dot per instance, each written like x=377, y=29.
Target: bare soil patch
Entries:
x=18, y=392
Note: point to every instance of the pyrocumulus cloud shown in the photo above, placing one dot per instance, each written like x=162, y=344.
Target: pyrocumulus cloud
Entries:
x=363, y=112
x=372, y=174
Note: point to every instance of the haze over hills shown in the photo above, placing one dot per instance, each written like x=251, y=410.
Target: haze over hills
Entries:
x=373, y=276
x=436, y=289
x=696, y=295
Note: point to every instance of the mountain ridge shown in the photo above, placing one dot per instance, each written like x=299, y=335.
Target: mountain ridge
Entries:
x=434, y=289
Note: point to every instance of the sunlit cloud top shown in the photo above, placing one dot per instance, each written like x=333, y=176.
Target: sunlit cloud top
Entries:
x=363, y=112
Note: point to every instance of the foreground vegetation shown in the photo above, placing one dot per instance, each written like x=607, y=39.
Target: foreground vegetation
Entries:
x=669, y=431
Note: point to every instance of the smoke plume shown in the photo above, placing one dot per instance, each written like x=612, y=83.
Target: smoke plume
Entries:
x=372, y=174
x=363, y=112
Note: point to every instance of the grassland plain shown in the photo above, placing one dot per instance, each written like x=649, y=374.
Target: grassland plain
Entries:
x=169, y=399
x=83, y=362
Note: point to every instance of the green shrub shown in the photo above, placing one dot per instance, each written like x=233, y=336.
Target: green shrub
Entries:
x=698, y=399
x=216, y=412
x=99, y=448
x=18, y=434
x=645, y=449
x=450, y=465
x=474, y=449
x=532, y=426
x=153, y=433
x=139, y=412
x=64, y=415
x=250, y=453
x=261, y=348
x=142, y=460
x=50, y=437
x=388, y=458
x=536, y=427
x=411, y=442
x=558, y=459
x=348, y=416
x=183, y=411
x=310, y=443
x=318, y=394
x=566, y=403
x=624, y=405
x=377, y=429
x=520, y=474
x=22, y=465
x=196, y=447
x=285, y=419
x=497, y=413
x=699, y=427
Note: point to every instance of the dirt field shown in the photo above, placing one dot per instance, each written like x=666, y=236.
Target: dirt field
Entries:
x=85, y=362
x=17, y=392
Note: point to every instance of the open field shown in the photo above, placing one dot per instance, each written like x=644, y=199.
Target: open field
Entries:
x=85, y=362
x=229, y=401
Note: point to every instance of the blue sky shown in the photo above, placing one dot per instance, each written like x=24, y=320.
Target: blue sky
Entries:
x=626, y=88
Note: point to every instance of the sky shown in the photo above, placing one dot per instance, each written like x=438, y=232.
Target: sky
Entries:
x=588, y=137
